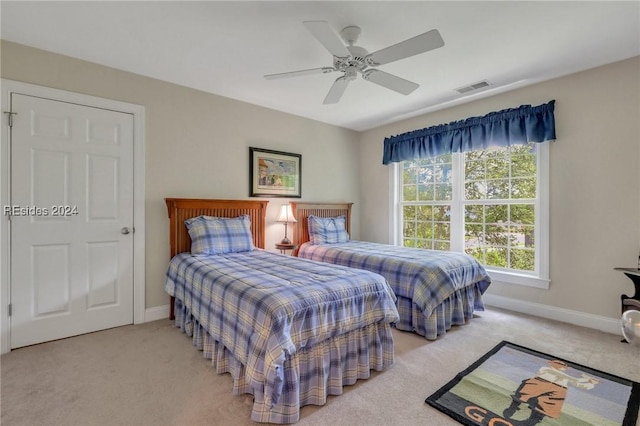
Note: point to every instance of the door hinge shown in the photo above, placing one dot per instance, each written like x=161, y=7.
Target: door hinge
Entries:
x=10, y=309
x=10, y=117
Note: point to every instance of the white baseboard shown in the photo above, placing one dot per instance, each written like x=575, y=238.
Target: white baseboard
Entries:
x=606, y=324
x=156, y=313
x=597, y=322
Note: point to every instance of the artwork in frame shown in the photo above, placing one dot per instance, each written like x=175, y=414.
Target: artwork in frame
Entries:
x=274, y=173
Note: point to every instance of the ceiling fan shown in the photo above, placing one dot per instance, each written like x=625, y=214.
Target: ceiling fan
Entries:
x=352, y=59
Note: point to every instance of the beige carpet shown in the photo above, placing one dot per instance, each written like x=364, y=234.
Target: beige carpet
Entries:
x=150, y=374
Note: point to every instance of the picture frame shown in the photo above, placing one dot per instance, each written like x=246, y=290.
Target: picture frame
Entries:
x=274, y=173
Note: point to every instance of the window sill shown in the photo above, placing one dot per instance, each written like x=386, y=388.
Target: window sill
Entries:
x=518, y=279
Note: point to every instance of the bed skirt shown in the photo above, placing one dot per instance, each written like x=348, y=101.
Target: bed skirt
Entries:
x=457, y=309
x=310, y=375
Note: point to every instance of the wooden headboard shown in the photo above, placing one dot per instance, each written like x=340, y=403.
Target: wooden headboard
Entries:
x=181, y=209
x=301, y=212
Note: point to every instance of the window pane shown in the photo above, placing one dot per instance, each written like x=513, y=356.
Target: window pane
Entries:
x=473, y=235
x=423, y=213
x=496, y=235
x=425, y=174
x=474, y=156
x=443, y=159
x=498, y=189
x=425, y=192
x=442, y=173
x=409, y=212
x=409, y=193
x=496, y=257
x=441, y=231
x=441, y=213
x=442, y=245
x=409, y=242
x=497, y=168
x=424, y=230
x=528, y=233
x=516, y=238
x=523, y=165
x=496, y=213
x=530, y=148
x=427, y=244
x=474, y=213
x=474, y=170
x=408, y=174
x=475, y=190
x=522, y=259
x=523, y=188
x=444, y=192
x=409, y=229
x=496, y=152
x=523, y=214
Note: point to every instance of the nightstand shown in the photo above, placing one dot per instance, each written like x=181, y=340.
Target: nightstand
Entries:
x=284, y=247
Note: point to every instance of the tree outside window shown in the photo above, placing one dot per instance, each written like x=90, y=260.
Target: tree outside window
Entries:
x=486, y=200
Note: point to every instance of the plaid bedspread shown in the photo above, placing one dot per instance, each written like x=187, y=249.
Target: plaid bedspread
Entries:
x=425, y=276
x=264, y=306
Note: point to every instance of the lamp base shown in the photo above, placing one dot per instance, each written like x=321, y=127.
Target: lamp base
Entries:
x=286, y=241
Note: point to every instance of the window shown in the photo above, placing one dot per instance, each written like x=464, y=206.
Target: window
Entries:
x=491, y=204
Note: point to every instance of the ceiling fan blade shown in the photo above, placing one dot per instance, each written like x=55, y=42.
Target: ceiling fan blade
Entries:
x=327, y=37
x=413, y=46
x=390, y=81
x=311, y=71
x=336, y=91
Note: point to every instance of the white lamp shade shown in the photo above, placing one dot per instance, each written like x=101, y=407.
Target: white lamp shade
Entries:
x=286, y=214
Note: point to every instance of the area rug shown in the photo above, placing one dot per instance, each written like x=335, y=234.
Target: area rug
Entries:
x=517, y=386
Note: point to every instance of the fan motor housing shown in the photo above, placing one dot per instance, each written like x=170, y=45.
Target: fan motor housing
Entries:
x=357, y=59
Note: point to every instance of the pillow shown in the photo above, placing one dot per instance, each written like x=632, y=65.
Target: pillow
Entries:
x=327, y=230
x=219, y=235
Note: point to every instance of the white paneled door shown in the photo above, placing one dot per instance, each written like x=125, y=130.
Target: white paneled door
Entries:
x=71, y=219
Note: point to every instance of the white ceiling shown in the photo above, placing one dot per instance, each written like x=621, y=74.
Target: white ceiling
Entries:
x=226, y=47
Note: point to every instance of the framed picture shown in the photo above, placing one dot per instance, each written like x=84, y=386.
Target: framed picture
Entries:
x=274, y=173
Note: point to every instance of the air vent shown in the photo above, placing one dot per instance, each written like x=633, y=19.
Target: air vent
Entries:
x=474, y=86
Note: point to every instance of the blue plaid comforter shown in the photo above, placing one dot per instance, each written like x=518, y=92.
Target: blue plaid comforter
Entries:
x=264, y=306
x=427, y=277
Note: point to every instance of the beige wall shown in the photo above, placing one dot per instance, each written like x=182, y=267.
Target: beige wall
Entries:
x=197, y=144
x=595, y=184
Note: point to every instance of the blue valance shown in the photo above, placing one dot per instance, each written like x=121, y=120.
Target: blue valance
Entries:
x=501, y=128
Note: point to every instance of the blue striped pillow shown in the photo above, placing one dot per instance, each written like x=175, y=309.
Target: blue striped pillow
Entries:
x=327, y=230
x=219, y=235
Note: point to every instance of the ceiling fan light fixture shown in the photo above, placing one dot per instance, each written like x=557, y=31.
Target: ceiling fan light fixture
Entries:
x=350, y=34
x=352, y=59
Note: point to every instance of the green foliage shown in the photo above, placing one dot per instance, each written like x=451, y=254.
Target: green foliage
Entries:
x=497, y=231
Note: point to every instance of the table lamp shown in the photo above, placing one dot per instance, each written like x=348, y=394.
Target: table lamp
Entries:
x=286, y=217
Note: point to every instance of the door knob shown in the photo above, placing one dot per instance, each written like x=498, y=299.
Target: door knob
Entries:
x=125, y=230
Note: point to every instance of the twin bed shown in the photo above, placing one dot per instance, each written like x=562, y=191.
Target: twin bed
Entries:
x=292, y=331
x=289, y=331
x=435, y=289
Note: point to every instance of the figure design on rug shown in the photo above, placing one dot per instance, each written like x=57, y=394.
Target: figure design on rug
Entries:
x=546, y=391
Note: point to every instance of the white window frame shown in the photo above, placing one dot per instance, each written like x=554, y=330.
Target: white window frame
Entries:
x=538, y=278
